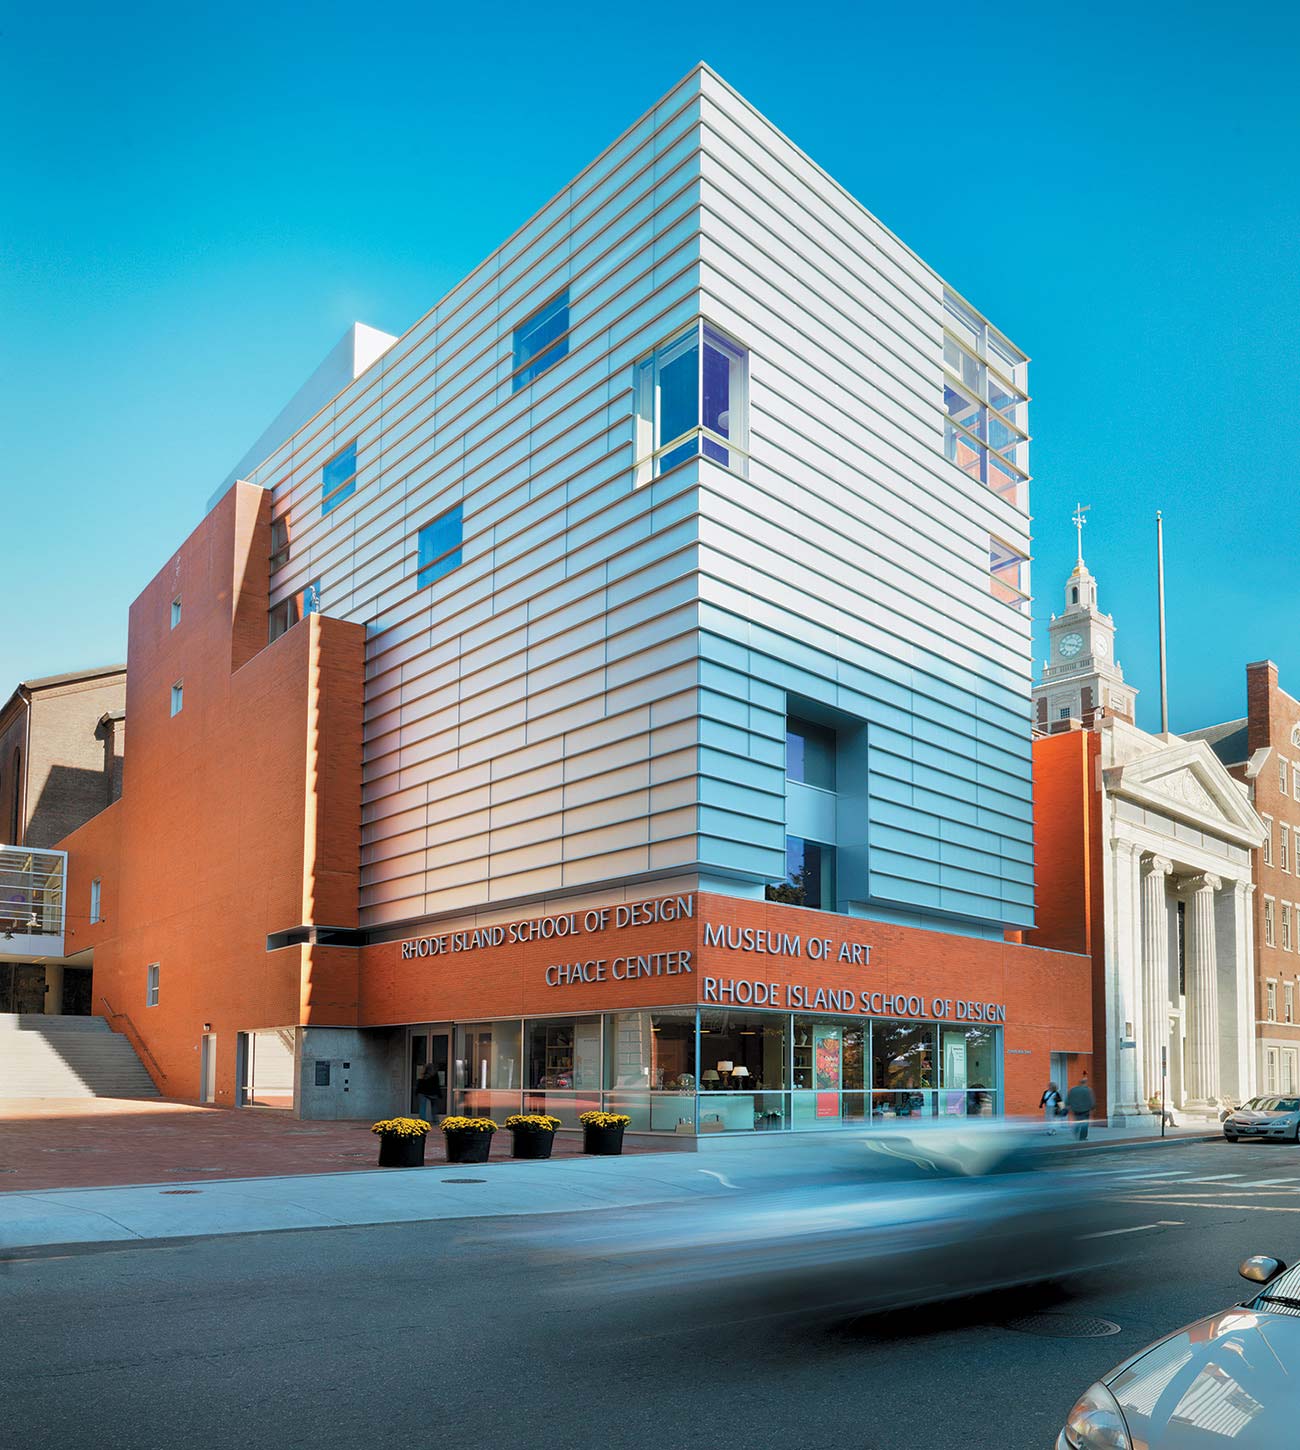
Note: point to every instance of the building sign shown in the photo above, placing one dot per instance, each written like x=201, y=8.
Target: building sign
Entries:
x=797, y=996
x=553, y=928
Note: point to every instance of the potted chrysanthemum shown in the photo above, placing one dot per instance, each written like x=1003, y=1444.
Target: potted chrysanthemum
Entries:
x=602, y=1133
x=469, y=1140
x=401, y=1142
x=532, y=1134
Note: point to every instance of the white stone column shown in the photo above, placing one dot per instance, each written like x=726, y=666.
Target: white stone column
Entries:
x=1155, y=970
x=1244, y=941
x=1202, y=992
x=1123, y=985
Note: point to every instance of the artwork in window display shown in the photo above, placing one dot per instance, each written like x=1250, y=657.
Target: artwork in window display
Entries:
x=826, y=1071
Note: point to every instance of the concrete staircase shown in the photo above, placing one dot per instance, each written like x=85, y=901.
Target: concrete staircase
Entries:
x=68, y=1057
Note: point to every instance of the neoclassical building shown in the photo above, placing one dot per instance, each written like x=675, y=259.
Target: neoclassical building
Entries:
x=1144, y=861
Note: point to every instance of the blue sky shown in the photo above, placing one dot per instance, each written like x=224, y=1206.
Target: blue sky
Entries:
x=199, y=201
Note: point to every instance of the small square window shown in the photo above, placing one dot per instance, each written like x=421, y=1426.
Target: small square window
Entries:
x=322, y=1074
x=151, y=986
x=178, y=697
x=96, y=893
x=541, y=340
x=438, y=546
x=176, y=611
x=338, y=478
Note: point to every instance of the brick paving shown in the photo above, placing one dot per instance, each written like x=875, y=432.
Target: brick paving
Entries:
x=48, y=1143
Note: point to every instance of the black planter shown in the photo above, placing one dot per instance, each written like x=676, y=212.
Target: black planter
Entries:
x=603, y=1141
x=468, y=1145
x=531, y=1142
x=398, y=1151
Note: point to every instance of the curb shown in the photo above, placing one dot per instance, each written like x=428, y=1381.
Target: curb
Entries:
x=1146, y=1143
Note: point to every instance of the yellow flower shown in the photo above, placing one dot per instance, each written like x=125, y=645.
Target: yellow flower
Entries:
x=535, y=1122
x=478, y=1125
x=401, y=1127
x=596, y=1119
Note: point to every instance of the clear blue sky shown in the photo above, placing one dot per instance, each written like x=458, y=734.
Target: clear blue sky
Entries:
x=198, y=201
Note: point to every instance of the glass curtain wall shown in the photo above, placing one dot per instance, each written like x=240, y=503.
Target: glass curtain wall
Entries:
x=487, y=1069
x=564, y=1066
x=650, y=1069
x=744, y=1059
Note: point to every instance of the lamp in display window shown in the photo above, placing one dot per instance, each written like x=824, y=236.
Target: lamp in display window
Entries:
x=725, y=1068
x=709, y=1078
x=739, y=1075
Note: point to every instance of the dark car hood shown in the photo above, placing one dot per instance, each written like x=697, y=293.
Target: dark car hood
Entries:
x=1228, y=1381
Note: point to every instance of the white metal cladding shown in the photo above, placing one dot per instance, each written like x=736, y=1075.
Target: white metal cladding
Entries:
x=598, y=691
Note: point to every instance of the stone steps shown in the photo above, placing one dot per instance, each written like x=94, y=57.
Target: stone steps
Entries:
x=68, y=1057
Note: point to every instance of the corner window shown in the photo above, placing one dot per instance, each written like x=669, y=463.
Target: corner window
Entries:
x=810, y=753
x=151, y=986
x=338, y=478
x=809, y=878
x=541, y=340
x=279, y=541
x=1008, y=574
x=288, y=612
x=176, y=611
x=96, y=891
x=438, y=546
x=692, y=401
x=178, y=697
x=985, y=403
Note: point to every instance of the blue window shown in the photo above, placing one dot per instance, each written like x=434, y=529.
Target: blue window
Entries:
x=692, y=401
x=809, y=875
x=541, y=339
x=338, y=479
x=439, y=549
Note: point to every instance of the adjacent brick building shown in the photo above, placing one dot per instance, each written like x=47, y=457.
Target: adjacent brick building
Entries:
x=1262, y=749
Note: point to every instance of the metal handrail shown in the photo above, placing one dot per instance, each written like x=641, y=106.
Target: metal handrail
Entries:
x=137, y=1041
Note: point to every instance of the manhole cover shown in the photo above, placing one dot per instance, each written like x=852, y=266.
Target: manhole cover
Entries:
x=464, y=1180
x=1063, y=1326
x=182, y=1190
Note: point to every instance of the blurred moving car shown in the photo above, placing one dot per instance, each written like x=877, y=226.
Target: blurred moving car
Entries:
x=1268, y=1117
x=891, y=1218
x=1225, y=1380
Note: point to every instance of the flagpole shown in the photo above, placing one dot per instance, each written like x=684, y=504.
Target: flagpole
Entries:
x=1160, y=587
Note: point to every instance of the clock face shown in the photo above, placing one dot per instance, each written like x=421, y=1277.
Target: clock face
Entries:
x=1070, y=645
x=1100, y=645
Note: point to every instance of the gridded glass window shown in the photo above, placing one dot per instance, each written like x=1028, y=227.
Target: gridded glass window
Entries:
x=1288, y=1001
x=1288, y=1069
x=1270, y=998
x=1008, y=574
x=96, y=896
x=1268, y=841
x=810, y=753
x=809, y=875
x=1286, y=927
x=1284, y=848
x=985, y=403
x=439, y=546
x=151, y=986
x=279, y=541
x=284, y=615
x=178, y=697
x=1295, y=781
x=338, y=478
x=176, y=611
x=691, y=402
x=1281, y=776
x=1270, y=1069
x=541, y=340
x=1270, y=935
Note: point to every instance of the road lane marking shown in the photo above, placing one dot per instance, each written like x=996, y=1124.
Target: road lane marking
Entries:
x=1213, y=1178
x=726, y=1182
x=1137, y=1229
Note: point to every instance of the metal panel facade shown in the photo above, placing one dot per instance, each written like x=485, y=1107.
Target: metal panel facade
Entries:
x=599, y=690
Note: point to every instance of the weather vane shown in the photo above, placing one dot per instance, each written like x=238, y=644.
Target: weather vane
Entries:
x=1079, y=510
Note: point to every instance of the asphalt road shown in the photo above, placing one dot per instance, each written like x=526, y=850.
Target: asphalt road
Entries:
x=425, y=1335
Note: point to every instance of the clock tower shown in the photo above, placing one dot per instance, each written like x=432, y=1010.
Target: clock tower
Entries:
x=1081, y=679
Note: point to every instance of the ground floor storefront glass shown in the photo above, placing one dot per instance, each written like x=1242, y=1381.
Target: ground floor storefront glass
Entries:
x=678, y=1070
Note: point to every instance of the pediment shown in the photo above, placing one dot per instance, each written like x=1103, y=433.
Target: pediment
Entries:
x=1188, y=781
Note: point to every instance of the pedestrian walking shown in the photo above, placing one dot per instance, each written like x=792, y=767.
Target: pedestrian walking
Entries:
x=1053, y=1105
x=1081, y=1100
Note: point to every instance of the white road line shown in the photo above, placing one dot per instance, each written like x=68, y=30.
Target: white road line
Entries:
x=1213, y=1178
x=1267, y=1183
x=726, y=1182
x=1137, y=1229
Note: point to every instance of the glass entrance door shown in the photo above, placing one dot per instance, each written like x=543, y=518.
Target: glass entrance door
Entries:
x=430, y=1059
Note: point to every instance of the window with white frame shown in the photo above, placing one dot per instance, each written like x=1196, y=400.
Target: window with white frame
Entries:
x=985, y=404
x=1268, y=840
x=96, y=893
x=178, y=697
x=1295, y=781
x=1270, y=1002
x=1270, y=1069
x=692, y=401
x=1288, y=1001
x=1281, y=775
x=1286, y=926
x=176, y=611
x=1269, y=934
x=540, y=340
x=1288, y=1069
x=1008, y=574
x=1295, y=735
x=151, y=986
x=1284, y=848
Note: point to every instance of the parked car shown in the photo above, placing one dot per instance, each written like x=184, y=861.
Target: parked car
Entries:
x=1268, y=1117
x=1226, y=1379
